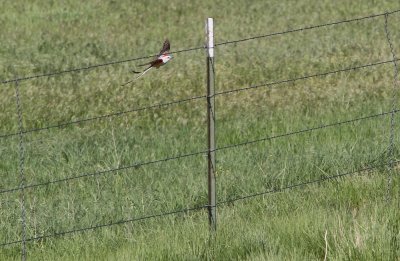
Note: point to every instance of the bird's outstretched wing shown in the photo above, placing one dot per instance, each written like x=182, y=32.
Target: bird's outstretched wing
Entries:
x=166, y=47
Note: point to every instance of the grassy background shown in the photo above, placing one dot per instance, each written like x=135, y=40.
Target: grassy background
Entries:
x=45, y=36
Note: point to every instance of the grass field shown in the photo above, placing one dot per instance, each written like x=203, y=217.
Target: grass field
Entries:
x=347, y=218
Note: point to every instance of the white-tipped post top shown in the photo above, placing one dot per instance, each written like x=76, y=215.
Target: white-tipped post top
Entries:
x=210, y=36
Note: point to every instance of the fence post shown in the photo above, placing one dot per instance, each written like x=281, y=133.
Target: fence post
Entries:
x=391, y=153
x=21, y=170
x=212, y=215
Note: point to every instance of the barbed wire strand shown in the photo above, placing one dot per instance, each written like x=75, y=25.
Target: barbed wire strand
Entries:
x=137, y=165
x=166, y=104
x=322, y=179
x=306, y=130
x=306, y=28
x=194, y=208
x=102, y=172
x=104, y=116
x=353, y=68
x=393, y=106
x=120, y=222
x=74, y=70
x=89, y=67
x=21, y=171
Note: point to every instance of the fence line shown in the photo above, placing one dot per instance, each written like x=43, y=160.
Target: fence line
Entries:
x=176, y=157
x=104, y=116
x=102, y=172
x=306, y=130
x=84, y=68
x=112, y=223
x=304, y=77
x=273, y=191
x=167, y=104
x=365, y=169
x=74, y=70
x=309, y=28
x=21, y=132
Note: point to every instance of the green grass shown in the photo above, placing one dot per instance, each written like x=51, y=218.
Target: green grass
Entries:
x=45, y=36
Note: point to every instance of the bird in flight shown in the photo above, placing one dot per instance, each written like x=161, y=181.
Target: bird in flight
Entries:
x=162, y=58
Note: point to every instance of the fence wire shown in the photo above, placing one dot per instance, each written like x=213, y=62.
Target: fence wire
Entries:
x=365, y=169
x=120, y=222
x=353, y=68
x=189, y=99
x=137, y=165
x=105, y=116
x=112, y=223
x=85, y=68
x=102, y=172
x=308, y=28
x=323, y=126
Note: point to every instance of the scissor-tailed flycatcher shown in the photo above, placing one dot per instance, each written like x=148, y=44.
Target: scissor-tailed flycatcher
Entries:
x=162, y=58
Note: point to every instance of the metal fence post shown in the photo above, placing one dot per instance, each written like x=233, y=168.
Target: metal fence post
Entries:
x=391, y=153
x=21, y=170
x=211, y=124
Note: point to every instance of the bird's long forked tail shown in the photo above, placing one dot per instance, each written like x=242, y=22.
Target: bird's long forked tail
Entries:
x=140, y=75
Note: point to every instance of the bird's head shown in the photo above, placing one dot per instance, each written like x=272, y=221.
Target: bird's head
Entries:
x=166, y=57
